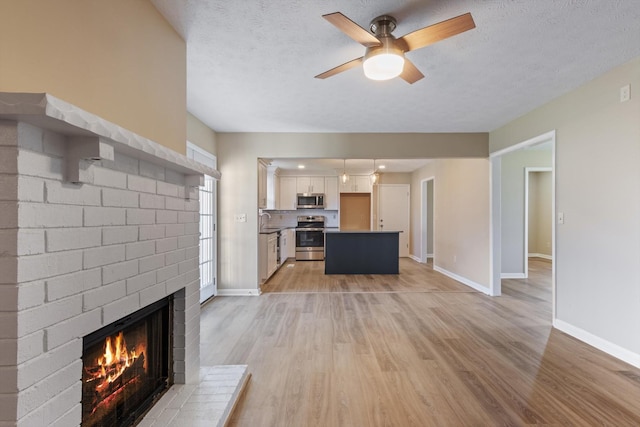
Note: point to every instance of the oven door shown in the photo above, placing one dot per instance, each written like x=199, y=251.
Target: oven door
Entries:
x=309, y=244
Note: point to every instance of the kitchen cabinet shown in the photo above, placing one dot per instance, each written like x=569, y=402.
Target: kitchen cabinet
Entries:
x=291, y=243
x=287, y=193
x=262, y=257
x=262, y=185
x=272, y=253
x=356, y=184
x=331, y=198
x=273, y=188
x=310, y=184
x=287, y=245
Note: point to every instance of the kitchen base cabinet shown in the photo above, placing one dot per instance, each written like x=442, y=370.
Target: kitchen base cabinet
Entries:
x=262, y=257
x=272, y=254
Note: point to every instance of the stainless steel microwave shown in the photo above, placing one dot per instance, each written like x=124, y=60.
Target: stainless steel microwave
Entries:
x=310, y=201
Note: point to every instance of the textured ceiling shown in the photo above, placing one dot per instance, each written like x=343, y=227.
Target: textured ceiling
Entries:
x=250, y=63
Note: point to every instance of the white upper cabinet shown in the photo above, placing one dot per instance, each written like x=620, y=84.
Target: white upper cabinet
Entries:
x=331, y=198
x=287, y=193
x=310, y=184
x=356, y=184
x=262, y=185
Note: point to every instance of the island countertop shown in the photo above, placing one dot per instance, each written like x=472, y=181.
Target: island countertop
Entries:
x=337, y=230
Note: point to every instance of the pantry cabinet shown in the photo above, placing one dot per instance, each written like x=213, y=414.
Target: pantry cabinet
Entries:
x=356, y=184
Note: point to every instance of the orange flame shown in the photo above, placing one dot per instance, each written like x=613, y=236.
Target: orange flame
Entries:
x=115, y=360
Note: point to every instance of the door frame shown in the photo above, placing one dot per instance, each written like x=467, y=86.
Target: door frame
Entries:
x=495, y=241
x=424, y=219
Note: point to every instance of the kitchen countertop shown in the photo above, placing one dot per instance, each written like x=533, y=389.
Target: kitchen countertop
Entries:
x=337, y=230
x=270, y=230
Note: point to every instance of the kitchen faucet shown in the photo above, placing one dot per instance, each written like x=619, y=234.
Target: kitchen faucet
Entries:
x=262, y=214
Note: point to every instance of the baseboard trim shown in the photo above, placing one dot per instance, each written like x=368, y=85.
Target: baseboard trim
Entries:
x=463, y=280
x=513, y=276
x=543, y=256
x=599, y=343
x=415, y=258
x=238, y=292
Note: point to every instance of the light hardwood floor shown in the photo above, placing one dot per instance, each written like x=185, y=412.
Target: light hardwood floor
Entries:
x=418, y=349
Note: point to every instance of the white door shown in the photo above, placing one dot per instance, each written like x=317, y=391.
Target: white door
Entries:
x=208, y=238
x=208, y=224
x=393, y=213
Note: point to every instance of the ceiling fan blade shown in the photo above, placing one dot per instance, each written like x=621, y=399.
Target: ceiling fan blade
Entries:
x=353, y=30
x=436, y=32
x=340, y=68
x=410, y=72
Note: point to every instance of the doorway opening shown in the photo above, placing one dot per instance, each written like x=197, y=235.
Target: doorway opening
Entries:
x=426, y=219
x=509, y=236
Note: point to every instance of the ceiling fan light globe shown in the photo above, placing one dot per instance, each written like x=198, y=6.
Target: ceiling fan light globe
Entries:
x=383, y=66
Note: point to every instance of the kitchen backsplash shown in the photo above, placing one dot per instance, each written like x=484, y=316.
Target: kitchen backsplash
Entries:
x=290, y=218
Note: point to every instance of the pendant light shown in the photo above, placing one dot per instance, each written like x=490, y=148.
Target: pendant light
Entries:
x=374, y=175
x=344, y=177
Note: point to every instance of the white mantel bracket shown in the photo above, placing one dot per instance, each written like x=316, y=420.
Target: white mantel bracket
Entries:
x=89, y=148
x=191, y=181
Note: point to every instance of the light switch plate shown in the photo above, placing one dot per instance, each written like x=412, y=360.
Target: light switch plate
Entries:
x=560, y=218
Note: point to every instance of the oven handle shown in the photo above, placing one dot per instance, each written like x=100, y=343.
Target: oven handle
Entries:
x=309, y=229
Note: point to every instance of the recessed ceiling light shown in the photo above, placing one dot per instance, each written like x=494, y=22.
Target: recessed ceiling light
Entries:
x=381, y=166
x=300, y=166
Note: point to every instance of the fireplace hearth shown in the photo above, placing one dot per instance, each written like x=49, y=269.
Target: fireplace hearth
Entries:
x=127, y=366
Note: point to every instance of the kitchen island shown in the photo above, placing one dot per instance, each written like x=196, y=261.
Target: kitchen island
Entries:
x=361, y=252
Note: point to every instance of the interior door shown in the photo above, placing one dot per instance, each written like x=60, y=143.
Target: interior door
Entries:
x=393, y=213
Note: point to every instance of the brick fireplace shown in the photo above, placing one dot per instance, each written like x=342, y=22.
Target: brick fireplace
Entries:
x=96, y=223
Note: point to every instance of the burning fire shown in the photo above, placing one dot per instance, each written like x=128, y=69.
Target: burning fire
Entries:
x=115, y=360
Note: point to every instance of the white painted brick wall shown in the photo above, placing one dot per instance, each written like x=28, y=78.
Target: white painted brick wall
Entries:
x=104, y=177
x=141, y=282
x=64, y=239
x=76, y=257
x=39, y=215
x=119, y=271
x=114, y=235
x=140, y=216
x=72, y=194
x=151, y=232
x=103, y=255
x=140, y=249
x=120, y=198
x=103, y=295
x=167, y=189
x=72, y=284
x=141, y=184
x=94, y=217
x=151, y=201
x=150, y=263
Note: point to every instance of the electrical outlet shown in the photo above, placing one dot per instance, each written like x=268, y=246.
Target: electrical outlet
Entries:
x=625, y=93
x=560, y=218
x=241, y=217
x=455, y=258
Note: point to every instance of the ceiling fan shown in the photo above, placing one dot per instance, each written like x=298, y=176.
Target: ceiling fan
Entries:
x=384, y=57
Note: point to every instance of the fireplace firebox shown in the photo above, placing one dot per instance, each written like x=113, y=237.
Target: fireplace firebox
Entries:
x=127, y=366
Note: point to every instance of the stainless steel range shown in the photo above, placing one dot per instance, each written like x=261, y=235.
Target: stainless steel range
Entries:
x=310, y=238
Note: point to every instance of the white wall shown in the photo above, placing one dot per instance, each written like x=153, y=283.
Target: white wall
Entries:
x=461, y=218
x=598, y=190
x=512, y=206
x=237, y=161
